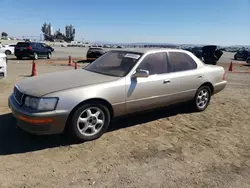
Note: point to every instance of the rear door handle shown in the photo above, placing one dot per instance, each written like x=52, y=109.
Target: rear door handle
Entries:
x=166, y=81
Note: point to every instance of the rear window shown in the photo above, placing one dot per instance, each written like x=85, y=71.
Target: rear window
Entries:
x=23, y=44
x=95, y=49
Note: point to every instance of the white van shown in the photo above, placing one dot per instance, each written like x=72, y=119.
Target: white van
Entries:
x=3, y=65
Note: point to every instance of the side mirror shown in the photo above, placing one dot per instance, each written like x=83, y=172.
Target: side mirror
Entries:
x=141, y=74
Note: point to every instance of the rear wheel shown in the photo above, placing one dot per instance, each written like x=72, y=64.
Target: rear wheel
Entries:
x=202, y=98
x=90, y=121
x=35, y=56
x=248, y=60
x=8, y=52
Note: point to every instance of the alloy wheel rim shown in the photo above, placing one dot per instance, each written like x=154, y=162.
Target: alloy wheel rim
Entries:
x=90, y=121
x=202, y=98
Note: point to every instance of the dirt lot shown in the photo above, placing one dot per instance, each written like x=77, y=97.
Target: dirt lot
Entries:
x=170, y=147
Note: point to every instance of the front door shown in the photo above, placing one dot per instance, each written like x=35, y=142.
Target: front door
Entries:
x=152, y=91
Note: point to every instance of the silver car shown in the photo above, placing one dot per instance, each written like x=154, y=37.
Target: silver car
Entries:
x=118, y=83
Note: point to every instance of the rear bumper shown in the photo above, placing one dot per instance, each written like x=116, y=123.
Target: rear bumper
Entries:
x=219, y=86
x=43, y=123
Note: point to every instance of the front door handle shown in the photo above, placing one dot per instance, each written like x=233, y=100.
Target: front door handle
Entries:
x=166, y=81
x=199, y=77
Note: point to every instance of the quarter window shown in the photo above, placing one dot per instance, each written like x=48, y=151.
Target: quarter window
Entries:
x=180, y=61
x=154, y=63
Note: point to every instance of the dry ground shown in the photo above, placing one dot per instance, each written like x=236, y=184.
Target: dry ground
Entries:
x=171, y=147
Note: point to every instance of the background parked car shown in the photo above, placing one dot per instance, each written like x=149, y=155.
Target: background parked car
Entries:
x=94, y=53
x=3, y=65
x=211, y=54
x=242, y=54
x=33, y=50
x=8, y=49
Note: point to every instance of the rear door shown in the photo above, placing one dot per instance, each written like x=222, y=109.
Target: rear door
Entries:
x=184, y=76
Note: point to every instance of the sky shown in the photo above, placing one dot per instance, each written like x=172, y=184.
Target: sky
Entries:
x=220, y=22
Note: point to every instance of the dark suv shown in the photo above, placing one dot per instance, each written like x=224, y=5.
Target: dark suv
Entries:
x=94, y=53
x=242, y=54
x=32, y=50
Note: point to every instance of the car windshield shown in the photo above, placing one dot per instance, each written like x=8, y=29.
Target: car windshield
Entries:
x=114, y=63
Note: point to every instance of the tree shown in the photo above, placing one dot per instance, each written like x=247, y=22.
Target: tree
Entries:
x=4, y=34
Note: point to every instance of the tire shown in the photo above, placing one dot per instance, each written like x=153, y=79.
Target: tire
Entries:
x=89, y=122
x=202, y=96
x=35, y=56
x=235, y=57
x=248, y=61
x=7, y=52
x=49, y=55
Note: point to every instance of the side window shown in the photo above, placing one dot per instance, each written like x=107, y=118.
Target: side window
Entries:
x=155, y=63
x=34, y=45
x=180, y=61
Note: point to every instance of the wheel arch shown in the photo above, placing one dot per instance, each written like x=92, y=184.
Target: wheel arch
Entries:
x=210, y=85
x=92, y=100
x=8, y=51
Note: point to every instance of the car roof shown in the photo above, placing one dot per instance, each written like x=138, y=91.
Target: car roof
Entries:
x=150, y=50
x=98, y=48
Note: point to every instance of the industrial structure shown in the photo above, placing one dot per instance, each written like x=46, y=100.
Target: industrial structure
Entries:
x=48, y=34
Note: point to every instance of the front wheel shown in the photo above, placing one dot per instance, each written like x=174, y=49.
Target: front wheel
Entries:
x=248, y=60
x=202, y=98
x=49, y=56
x=35, y=56
x=90, y=121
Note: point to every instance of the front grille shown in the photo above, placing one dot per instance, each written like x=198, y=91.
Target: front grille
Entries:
x=18, y=95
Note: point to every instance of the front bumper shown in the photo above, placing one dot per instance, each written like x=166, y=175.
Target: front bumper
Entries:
x=42, y=123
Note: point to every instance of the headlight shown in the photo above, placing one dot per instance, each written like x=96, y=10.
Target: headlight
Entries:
x=41, y=104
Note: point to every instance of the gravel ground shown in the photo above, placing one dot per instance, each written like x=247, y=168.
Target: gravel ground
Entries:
x=170, y=147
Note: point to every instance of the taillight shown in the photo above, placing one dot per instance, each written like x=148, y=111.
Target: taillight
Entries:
x=29, y=48
x=224, y=75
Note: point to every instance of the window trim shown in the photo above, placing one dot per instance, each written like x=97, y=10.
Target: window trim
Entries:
x=169, y=61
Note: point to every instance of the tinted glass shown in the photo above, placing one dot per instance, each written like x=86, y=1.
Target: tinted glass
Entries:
x=95, y=50
x=179, y=61
x=23, y=44
x=114, y=63
x=154, y=63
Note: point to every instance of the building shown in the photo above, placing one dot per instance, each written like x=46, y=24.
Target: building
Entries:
x=70, y=31
x=49, y=35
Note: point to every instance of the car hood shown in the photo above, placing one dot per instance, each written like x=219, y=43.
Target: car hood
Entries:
x=51, y=82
